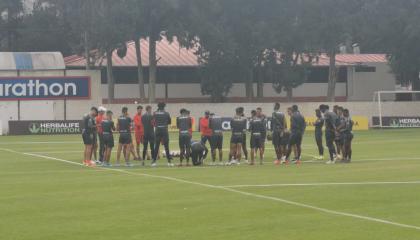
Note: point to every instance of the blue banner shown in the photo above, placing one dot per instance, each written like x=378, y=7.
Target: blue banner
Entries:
x=44, y=88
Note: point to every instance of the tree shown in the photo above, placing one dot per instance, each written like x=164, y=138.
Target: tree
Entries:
x=45, y=28
x=158, y=16
x=396, y=33
x=11, y=13
x=333, y=21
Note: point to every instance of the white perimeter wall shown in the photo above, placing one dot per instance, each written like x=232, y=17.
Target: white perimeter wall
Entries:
x=368, y=109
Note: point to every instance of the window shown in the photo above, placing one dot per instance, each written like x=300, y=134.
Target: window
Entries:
x=321, y=74
x=365, y=69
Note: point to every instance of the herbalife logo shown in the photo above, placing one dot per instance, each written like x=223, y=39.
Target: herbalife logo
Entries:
x=54, y=127
x=34, y=128
x=394, y=123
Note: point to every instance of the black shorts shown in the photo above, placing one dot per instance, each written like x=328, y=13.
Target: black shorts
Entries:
x=346, y=138
x=263, y=137
x=88, y=138
x=184, y=141
x=125, y=138
x=162, y=136
x=95, y=138
x=295, y=139
x=256, y=141
x=277, y=138
x=149, y=137
x=204, y=139
x=237, y=138
x=338, y=137
x=285, y=140
x=108, y=140
x=216, y=142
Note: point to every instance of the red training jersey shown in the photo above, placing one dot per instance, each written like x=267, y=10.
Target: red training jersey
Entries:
x=204, y=127
x=98, y=121
x=138, y=124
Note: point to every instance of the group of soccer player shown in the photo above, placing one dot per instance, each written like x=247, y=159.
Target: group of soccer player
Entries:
x=152, y=129
x=338, y=133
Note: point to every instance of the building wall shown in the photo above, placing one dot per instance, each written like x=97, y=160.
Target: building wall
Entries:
x=363, y=85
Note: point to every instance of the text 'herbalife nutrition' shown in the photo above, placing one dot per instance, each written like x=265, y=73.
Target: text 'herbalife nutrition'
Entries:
x=22, y=88
x=55, y=128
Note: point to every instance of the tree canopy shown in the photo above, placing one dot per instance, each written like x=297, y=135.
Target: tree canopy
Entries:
x=246, y=41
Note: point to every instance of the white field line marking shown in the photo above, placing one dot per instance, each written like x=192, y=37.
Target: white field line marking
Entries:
x=320, y=184
x=333, y=212
x=45, y=172
x=52, y=142
x=305, y=161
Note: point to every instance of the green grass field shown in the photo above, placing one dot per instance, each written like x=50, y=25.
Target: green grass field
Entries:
x=45, y=195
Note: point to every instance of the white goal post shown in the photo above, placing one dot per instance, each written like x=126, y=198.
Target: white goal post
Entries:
x=379, y=99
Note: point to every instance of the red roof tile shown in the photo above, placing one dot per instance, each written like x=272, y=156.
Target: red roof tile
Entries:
x=171, y=54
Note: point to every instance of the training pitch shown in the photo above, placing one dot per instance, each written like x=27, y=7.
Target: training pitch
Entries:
x=47, y=194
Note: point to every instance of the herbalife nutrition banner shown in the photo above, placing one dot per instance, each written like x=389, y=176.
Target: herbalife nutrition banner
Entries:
x=44, y=127
x=44, y=88
x=398, y=122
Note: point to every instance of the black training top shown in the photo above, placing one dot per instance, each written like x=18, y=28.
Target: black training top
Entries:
x=348, y=125
x=124, y=124
x=147, y=120
x=199, y=147
x=89, y=124
x=257, y=126
x=216, y=125
x=162, y=119
x=277, y=121
x=330, y=121
x=184, y=124
x=108, y=126
x=297, y=123
x=238, y=125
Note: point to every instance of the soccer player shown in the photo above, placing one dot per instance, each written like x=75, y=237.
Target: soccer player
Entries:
x=257, y=129
x=88, y=136
x=285, y=140
x=297, y=129
x=149, y=132
x=244, y=147
x=216, y=143
x=199, y=152
x=262, y=116
x=184, y=124
x=278, y=126
x=330, y=119
x=347, y=135
x=319, y=124
x=125, y=141
x=238, y=126
x=139, y=131
x=338, y=138
x=98, y=120
x=108, y=138
x=204, y=128
x=336, y=110
x=162, y=120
